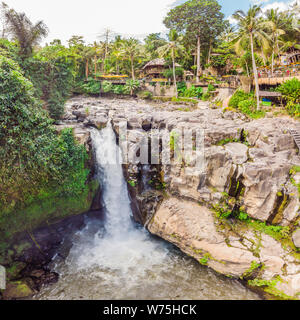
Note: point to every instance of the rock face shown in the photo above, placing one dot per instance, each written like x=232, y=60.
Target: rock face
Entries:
x=247, y=171
x=230, y=250
x=192, y=228
x=296, y=238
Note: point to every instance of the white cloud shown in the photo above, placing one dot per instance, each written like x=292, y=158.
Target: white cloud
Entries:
x=259, y=1
x=88, y=18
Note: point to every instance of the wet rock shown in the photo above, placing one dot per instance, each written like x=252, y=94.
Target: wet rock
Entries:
x=17, y=290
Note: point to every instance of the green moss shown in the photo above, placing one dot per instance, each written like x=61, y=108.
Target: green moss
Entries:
x=49, y=209
x=254, y=266
x=131, y=183
x=269, y=286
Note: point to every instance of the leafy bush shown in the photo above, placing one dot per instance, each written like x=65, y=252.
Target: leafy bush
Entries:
x=206, y=96
x=169, y=73
x=107, y=86
x=52, y=80
x=36, y=162
x=239, y=96
x=91, y=86
x=132, y=86
x=192, y=92
x=145, y=95
x=210, y=88
x=290, y=91
x=248, y=107
x=118, y=89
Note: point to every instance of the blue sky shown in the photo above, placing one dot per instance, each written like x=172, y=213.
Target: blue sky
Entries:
x=130, y=18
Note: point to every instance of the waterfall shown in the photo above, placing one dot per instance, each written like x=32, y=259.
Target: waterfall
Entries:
x=123, y=245
x=117, y=259
x=114, y=189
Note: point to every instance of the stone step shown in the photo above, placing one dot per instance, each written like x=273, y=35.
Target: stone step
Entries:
x=296, y=136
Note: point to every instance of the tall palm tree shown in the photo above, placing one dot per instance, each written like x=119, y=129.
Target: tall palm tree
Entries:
x=251, y=28
x=171, y=48
x=131, y=49
x=277, y=22
x=22, y=29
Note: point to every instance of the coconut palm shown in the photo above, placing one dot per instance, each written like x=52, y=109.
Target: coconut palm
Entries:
x=22, y=29
x=131, y=49
x=171, y=48
x=277, y=23
x=252, y=28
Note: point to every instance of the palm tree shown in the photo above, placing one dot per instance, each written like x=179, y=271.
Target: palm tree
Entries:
x=131, y=49
x=251, y=28
x=87, y=53
x=277, y=24
x=171, y=48
x=22, y=29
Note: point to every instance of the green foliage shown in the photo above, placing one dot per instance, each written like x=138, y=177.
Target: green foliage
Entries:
x=132, y=86
x=145, y=95
x=91, y=86
x=35, y=161
x=248, y=107
x=290, y=91
x=107, y=86
x=169, y=73
x=52, y=79
x=238, y=97
x=191, y=92
x=210, y=88
x=243, y=216
x=206, y=96
x=118, y=89
x=245, y=103
x=131, y=183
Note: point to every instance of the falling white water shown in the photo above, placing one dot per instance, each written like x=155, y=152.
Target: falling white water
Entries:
x=122, y=246
x=119, y=260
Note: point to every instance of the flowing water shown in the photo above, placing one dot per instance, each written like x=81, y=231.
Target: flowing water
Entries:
x=113, y=258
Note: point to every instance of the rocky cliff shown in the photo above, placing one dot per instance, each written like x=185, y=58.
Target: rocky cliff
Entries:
x=240, y=215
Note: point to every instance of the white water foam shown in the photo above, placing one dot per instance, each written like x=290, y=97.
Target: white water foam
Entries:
x=122, y=246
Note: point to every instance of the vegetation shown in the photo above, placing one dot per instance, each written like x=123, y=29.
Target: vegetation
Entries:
x=290, y=91
x=245, y=103
x=36, y=164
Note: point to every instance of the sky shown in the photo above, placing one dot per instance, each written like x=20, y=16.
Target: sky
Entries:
x=89, y=18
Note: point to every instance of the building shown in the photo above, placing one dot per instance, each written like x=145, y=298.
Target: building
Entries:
x=155, y=68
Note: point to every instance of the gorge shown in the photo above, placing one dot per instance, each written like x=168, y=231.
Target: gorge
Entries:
x=248, y=175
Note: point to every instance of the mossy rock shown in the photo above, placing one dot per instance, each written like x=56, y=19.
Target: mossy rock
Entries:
x=14, y=270
x=17, y=290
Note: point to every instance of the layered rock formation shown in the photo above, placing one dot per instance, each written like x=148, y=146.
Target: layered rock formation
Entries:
x=238, y=214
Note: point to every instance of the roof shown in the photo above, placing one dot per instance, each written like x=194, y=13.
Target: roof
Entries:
x=269, y=94
x=158, y=62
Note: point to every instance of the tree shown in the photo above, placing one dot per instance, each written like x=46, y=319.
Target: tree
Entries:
x=199, y=21
x=131, y=49
x=171, y=49
x=22, y=29
x=152, y=42
x=251, y=28
x=276, y=28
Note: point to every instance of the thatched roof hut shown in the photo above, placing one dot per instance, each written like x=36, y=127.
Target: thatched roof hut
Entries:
x=159, y=62
x=156, y=67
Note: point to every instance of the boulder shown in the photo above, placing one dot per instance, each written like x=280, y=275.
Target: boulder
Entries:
x=296, y=238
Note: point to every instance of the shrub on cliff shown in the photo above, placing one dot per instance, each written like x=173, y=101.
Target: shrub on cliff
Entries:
x=51, y=72
x=290, y=91
x=35, y=162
